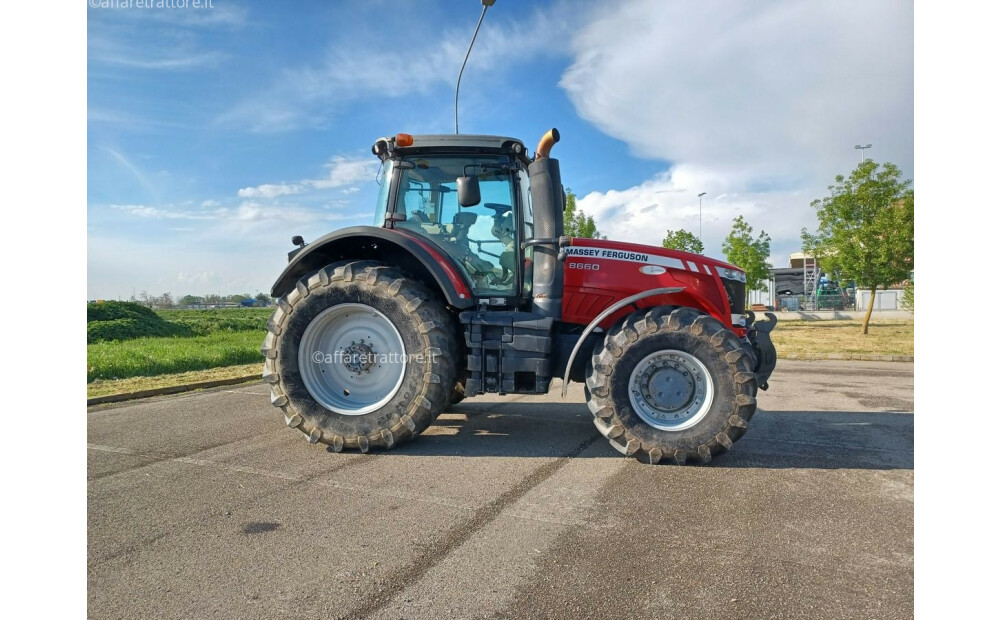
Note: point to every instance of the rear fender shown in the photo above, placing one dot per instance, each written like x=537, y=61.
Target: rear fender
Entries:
x=420, y=259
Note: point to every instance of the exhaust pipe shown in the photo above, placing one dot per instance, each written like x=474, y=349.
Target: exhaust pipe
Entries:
x=547, y=203
x=546, y=143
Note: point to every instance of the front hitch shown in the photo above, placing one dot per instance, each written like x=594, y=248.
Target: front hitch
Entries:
x=759, y=333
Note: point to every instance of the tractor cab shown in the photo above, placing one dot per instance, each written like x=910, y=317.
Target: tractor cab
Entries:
x=468, y=195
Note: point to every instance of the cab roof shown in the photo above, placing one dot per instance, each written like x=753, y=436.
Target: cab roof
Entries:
x=455, y=143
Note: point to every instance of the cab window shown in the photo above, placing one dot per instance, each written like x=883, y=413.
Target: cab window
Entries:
x=481, y=238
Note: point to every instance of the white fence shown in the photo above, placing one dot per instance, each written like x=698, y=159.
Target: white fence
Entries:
x=884, y=300
x=763, y=297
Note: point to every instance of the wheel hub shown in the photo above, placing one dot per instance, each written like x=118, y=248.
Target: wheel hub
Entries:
x=671, y=390
x=358, y=357
x=667, y=386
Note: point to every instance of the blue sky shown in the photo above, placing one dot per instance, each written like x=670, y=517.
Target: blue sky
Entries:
x=216, y=134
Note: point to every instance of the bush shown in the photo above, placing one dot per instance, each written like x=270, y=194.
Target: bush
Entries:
x=127, y=329
x=118, y=320
x=112, y=310
x=212, y=324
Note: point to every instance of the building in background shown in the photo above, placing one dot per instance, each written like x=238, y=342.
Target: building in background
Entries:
x=803, y=286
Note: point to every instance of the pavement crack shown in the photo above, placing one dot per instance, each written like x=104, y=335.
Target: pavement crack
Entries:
x=190, y=459
x=400, y=579
x=151, y=457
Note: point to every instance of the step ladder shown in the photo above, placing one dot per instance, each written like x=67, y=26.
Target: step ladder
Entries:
x=810, y=283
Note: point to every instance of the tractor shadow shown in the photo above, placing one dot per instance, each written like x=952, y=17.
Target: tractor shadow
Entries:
x=775, y=439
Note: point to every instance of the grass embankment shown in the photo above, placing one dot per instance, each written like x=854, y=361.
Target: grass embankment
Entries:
x=131, y=348
x=809, y=338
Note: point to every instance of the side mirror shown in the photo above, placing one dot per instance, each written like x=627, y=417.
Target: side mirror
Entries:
x=468, y=191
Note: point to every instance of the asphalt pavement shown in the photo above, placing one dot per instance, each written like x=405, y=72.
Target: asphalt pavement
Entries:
x=207, y=506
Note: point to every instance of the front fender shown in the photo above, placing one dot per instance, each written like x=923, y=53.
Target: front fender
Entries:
x=415, y=256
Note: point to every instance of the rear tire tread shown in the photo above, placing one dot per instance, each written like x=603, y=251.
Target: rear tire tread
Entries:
x=434, y=329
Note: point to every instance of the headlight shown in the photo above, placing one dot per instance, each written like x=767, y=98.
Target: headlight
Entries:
x=731, y=274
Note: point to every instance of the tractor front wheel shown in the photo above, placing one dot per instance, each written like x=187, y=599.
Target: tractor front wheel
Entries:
x=671, y=385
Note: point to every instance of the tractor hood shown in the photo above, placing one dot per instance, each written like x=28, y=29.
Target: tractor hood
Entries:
x=635, y=252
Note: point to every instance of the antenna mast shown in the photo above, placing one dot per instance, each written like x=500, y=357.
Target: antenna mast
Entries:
x=486, y=4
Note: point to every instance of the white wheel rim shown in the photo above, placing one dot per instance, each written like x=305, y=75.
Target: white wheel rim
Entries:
x=352, y=359
x=671, y=390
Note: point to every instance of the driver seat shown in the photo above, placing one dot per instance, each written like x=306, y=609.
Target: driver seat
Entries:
x=462, y=224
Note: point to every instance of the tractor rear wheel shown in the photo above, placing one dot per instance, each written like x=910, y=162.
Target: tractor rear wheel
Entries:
x=358, y=355
x=671, y=385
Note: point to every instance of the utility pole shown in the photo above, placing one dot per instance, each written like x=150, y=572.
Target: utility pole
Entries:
x=699, y=216
x=862, y=148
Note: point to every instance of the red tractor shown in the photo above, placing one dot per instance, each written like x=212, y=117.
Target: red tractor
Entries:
x=466, y=285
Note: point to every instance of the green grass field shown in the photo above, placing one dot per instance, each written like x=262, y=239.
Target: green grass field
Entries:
x=146, y=357
x=126, y=341
x=205, y=322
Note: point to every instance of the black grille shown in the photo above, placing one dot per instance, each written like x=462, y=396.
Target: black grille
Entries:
x=736, y=291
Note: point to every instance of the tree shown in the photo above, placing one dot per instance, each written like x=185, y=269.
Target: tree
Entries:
x=165, y=300
x=865, y=229
x=749, y=254
x=577, y=223
x=191, y=300
x=907, y=302
x=684, y=241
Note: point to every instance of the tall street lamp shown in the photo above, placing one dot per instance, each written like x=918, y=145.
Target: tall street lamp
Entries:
x=862, y=148
x=699, y=215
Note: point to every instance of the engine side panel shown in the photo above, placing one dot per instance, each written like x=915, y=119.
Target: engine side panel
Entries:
x=597, y=273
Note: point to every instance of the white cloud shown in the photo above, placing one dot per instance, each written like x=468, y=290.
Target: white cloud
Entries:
x=179, y=266
x=240, y=248
x=134, y=170
x=178, y=52
x=158, y=213
x=758, y=104
x=200, y=278
x=160, y=40
x=669, y=201
x=218, y=16
x=239, y=216
x=353, y=69
x=270, y=190
x=341, y=172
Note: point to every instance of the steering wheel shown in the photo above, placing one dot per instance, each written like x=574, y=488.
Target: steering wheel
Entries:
x=498, y=209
